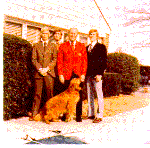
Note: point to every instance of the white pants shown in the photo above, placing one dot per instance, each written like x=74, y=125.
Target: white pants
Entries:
x=92, y=87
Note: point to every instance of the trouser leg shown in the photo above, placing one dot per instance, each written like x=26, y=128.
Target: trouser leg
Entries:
x=90, y=96
x=58, y=86
x=98, y=88
x=37, y=97
x=79, y=104
x=49, y=85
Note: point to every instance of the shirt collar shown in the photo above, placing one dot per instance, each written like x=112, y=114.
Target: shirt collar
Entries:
x=74, y=43
x=44, y=41
x=60, y=42
x=93, y=44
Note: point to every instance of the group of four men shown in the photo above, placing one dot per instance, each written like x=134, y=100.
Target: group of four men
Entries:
x=66, y=61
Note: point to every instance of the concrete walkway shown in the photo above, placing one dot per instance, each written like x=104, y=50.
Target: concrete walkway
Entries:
x=129, y=128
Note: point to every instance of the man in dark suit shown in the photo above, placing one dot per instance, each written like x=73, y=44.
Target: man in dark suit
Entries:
x=44, y=57
x=97, y=63
x=72, y=63
x=57, y=40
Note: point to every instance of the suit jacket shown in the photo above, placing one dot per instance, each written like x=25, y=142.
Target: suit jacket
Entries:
x=57, y=45
x=97, y=60
x=69, y=60
x=42, y=58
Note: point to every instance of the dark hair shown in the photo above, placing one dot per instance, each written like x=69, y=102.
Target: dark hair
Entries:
x=57, y=30
x=94, y=30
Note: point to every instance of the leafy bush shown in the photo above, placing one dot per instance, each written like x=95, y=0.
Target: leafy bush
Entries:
x=128, y=67
x=111, y=84
x=18, y=80
x=145, y=70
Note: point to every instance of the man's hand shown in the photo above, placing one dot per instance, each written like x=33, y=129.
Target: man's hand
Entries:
x=82, y=78
x=61, y=79
x=43, y=71
x=98, y=78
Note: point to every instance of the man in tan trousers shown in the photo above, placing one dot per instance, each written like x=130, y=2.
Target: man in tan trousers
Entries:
x=44, y=57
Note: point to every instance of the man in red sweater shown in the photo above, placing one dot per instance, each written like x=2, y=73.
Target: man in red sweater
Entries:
x=72, y=63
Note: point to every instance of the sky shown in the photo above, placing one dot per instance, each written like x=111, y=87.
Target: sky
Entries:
x=130, y=24
x=124, y=12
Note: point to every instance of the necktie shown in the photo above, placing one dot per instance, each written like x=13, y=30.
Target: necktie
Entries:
x=45, y=44
x=57, y=45
x=90, y=47
x=73, y=49
x=72, y=46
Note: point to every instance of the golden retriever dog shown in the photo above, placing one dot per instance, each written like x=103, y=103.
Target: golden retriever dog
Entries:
x=64, y=103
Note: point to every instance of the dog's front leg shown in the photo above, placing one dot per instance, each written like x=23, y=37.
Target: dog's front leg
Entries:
x=46, y=118
x=69, y=114
x=69, y=118
x=55, y=120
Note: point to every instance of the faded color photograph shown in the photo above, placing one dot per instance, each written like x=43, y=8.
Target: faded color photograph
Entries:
x=76, y=72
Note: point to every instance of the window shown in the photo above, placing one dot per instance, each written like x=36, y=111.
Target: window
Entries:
x=13, y=28
x=33, y=34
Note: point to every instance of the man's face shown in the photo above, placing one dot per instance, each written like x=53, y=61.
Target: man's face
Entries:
x=57, y=36
x=73, y=34
x=93, y=36
x=45, y=35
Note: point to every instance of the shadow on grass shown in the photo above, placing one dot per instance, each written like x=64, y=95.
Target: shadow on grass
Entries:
x=59, y=139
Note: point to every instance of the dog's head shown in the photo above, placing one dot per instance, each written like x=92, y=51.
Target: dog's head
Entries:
x=74, y=84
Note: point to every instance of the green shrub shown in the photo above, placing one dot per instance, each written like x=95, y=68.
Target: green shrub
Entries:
x=111, y=84
x=18, y=80
x=145, y=70
x=128, y=67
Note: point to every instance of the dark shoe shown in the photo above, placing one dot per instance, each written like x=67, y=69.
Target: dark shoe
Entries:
x=31, y=119
x=97, y=120
x=63, y=118
x=91, y=117
x=79, y=120
x=30, y=115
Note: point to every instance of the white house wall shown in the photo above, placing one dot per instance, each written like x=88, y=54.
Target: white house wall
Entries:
x=82, y=14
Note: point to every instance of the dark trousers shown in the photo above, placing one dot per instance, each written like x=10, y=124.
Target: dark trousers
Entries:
x=46, y=82
x=79, y=104
x=58, y=87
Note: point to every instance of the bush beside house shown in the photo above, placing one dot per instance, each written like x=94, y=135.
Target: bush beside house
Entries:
x=17, y=73
x=145, y=75
x=128, y=67
x=111, y=84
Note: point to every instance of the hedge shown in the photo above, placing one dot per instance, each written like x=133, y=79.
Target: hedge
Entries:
x=18, y=80
x=129, y=68
x=145, y=70
x=111, y=84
